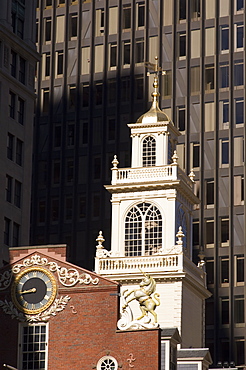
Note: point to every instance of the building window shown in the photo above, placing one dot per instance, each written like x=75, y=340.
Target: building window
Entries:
x=68, y=208
x=107, y=363
x=10, y=146
x=73, y=31
x=72, y=97
x=195, y=9
x=97, y=168
x=181, y=118
x=209, y=193
x=8, y=190
x=196, y=155
x=113, y=55
x=111, y=91
x=57, y=136
x=239, y=111
x=224, y=267
x=195, y=234
x=85, y=132
x=182, y=45
x=82, y=207
x=139, y=87
x=239, y=36
x=140, y=15
x=111, y=129
x=224, y=38
x=182, y=10
x=70, y=134
x=143, y=230
x=47, y=29
x=41, y=211
x=99, y=93
x=167, y=85
x=126, y=20
x=224, y=228
x=209, y=78
x=54, y=209
x=240, y=356
x=47, y=65
x=46, y=98
x=86, y=95
x=12, y=99
x=125, y=89
x=238, y=73
x=224, y=75
x=33, y=346
x=195, y=80
x=59, y=59
x=210, y=270
x=70, y=170
x=139, y=51
x=225, y=114
x=225, y=311
x=239, y=5
x=96, y=205
x=224, y=152
x=21, y=109
x=149, y=151
x=209, y=229
x=239, y=309
x=126, y=53
x=6, y=236
x=22, y=70
x=56, y=172
x=17, y=197
x=16, y=235
x=18, y=16
x=13, y=63
x=239, y=269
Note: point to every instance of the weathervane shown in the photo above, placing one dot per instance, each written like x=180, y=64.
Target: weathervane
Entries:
x=154, y=68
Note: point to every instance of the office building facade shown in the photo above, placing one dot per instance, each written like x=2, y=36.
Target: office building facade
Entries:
x=18, y=58
x=92, y=81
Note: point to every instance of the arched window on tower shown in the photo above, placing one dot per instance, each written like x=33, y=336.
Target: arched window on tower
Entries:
x=149, y=151
x=143, y=230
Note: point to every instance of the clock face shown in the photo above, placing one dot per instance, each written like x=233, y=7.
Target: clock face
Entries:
x=34, y=290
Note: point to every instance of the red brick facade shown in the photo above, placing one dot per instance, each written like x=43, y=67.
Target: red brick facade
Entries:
x=86, y=329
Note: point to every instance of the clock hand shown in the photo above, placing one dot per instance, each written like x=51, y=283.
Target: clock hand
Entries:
x=32, y=290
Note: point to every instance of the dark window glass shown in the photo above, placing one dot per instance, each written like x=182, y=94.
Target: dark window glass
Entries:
x=46, y=98
x=111, y=91
x=13, y=64
x=72, y=97
x=209, y=77
x=209, y=232
x=59, y=62
x=12, y=98
x=224, y=310
x=225, y=37
x=141, y=8
x=99, y=93
x=238, y=73
x=181, y=118
x=69, y=208
x=209, y=313
x=21, y=110
x=16, y=235
x=57, y=136
x=240, y=5
x=196, y=155
x=85, y=96
x=10, y=146
x=113, y=55
x=225, y=111
x=97, y=168
x=85, y=133
x=224, y=75
x=17, y=198
x=54, y=210
x=195, y=236
x=239, y=309
x=56, y=172
x=210, y=270
x=139, y=51
x=239, y=111
x=48, y=29
x=127, y=52
x=82, y=207
x=96, y=205
x=210, y=192
x=41, y=211
x=182, y=9
x=125, y=89
x=73, y=25
x=47, y=64
x=224, y=270
x=240, y=35
x=6, y=231
x=22, y=70
x=9, y=181
x=126, y=17
x=70, y=170
x=70, y=134
x=240, y=269
x=240, y=353
x=111, y=129
x=182, y=44
x=19, y=152
x=225, y=151
x=224, y=230
x=139, y=83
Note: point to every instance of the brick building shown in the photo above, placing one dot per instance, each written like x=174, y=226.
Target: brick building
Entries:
x=73, y=322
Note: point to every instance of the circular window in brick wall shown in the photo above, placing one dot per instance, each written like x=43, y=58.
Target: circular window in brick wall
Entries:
x=107, y=363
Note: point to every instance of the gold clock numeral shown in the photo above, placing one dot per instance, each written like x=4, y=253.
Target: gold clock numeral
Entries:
x=46, y=297
x=49, y=289
x=33, y=306
x=25, y=304
x=34, y=274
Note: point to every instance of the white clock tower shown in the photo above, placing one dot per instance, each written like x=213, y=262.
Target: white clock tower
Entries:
x=152, y=203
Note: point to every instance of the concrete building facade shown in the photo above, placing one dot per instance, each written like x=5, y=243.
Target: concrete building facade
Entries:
x=92, y=81
x=18, y=59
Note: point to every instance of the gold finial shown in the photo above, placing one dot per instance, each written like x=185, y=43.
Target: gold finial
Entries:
x=154, y=68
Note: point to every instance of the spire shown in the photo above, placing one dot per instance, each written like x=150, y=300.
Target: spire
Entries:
x=155, y=114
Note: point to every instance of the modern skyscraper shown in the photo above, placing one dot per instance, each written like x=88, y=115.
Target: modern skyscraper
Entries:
x=18, y=58
x=92, y=81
